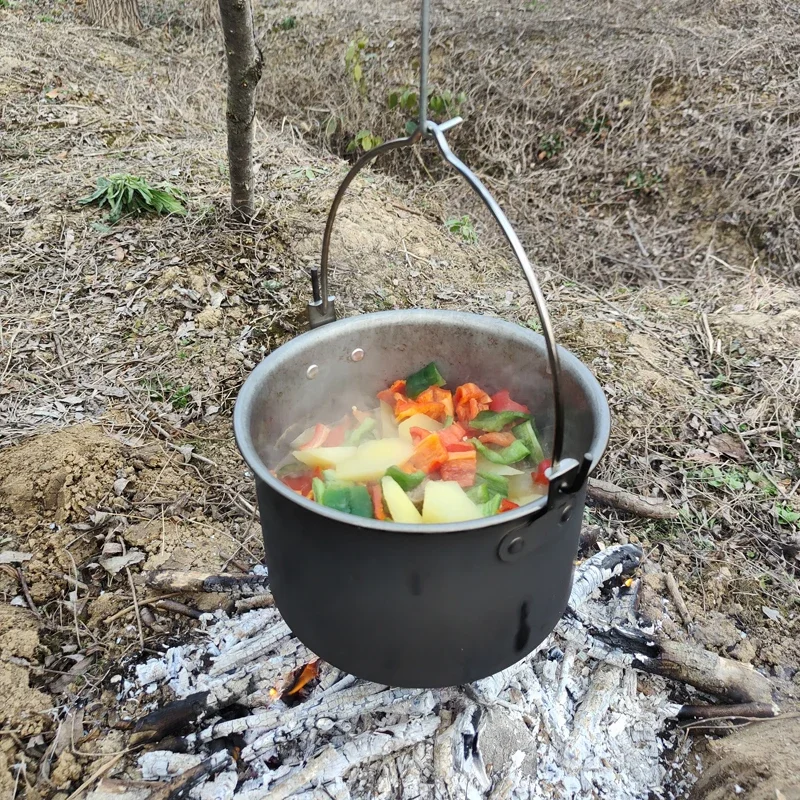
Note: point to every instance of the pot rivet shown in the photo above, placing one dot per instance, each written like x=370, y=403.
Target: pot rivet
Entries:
x=357, y=354
x=566, y=513
x=515, y=545
x=312, y=372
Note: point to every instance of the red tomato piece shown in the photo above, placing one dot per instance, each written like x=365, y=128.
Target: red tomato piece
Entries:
x=502, y=402
x=300, y=483
x=539, y=478
x=507, y=505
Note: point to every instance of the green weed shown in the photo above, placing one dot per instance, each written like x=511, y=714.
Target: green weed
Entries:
x=365, y=140
x=550, y=145
x=164, y=390
x=644, y=182
x=463, y=227
x=786, y=515
x=126, y=194
x=287, y=23
x=354, y=59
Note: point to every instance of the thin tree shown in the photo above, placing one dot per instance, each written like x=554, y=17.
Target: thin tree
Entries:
x=244, y=71
x=118, y=15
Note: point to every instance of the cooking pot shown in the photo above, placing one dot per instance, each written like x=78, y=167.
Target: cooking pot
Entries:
x=421, y=605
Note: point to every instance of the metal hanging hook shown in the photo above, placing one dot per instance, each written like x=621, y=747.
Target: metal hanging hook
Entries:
x=322, y=310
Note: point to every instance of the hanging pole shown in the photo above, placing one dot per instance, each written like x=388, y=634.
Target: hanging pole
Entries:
x=425, y=35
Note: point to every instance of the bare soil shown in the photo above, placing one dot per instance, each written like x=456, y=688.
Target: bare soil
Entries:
x=122, y=349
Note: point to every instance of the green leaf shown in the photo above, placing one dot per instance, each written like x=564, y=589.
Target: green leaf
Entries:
x=393, y=100
x=357, y=73
x=411, y=126
x=330, y=126
x=351, y=147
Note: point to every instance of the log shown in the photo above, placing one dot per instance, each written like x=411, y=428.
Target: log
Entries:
x=170, y=580
x=611, y=495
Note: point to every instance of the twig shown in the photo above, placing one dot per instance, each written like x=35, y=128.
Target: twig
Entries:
x=178, y=608
x=26, y=593
x=677, y=598
x=154, y=426
x=612, y=495
x=136, y=608
x=128, y=609
x=99, y=772
x=739, y=710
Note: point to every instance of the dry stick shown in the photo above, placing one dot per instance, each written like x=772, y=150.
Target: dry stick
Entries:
x=244, y=71
x=677, y=598
x=612, y=495
x=193, y=581
x=97, y=774
x=27, y=594
x=740, y=710
x=178, y=608
x=125, y=611
x=136, y=608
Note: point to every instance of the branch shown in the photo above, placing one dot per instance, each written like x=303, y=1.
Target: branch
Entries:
x=611, y=495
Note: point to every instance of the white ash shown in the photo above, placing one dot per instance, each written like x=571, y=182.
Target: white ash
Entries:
x=560, y=724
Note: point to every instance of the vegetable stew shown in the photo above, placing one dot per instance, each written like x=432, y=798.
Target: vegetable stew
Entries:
x=424, y=454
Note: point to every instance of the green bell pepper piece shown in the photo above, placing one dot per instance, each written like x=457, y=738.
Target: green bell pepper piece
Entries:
x=337, y=496
x=496, y=484
x=497, y=420
x=479, y=493
x=492, y=506
x=428, y=376
x=361, y=502
x=318, y=487
x=406, y=481
x=508, y=455
x=526, y=433
x=448, y=420
x=355, y=436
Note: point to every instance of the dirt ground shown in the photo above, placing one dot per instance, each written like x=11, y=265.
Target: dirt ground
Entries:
x=122, y=349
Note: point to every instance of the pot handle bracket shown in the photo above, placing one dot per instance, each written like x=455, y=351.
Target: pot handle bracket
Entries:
x=565, y=477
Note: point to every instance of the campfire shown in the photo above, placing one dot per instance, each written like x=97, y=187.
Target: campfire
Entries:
x=591, y=712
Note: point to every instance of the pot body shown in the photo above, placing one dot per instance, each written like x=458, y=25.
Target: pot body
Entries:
x=415, y=605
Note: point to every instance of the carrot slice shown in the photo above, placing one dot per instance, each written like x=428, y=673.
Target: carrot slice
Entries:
x=452, y=435
x=501, y=438
x=377, y=501
x=407, y=408
x=436, y=394
x=428, y=456
x=390, y=395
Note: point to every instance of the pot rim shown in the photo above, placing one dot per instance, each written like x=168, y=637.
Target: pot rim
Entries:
x=244, y=400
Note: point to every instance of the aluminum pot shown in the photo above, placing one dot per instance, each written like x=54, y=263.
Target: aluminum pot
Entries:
x=421, y=605
x=415, y=605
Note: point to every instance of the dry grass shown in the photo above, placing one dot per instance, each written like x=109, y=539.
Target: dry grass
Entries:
x=630, y=142
x=161, y=320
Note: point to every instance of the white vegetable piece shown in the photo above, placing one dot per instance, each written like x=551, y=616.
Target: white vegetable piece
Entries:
x=446, y=501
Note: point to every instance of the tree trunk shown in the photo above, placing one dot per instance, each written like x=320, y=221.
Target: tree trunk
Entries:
x=244, y=72
x=121, y=16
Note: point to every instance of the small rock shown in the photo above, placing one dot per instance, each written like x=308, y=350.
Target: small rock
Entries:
x=744, y=651
x=66, y=770
x=209, y=318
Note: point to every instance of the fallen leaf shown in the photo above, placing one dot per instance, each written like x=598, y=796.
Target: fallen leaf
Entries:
x=119, y=486
x=701, y=456
x=728, y=445
x=14, y=557
x=114, y=564
x=772, y=613
x=307, y=674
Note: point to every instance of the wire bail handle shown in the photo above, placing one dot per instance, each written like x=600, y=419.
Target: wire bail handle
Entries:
x=322, y=310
